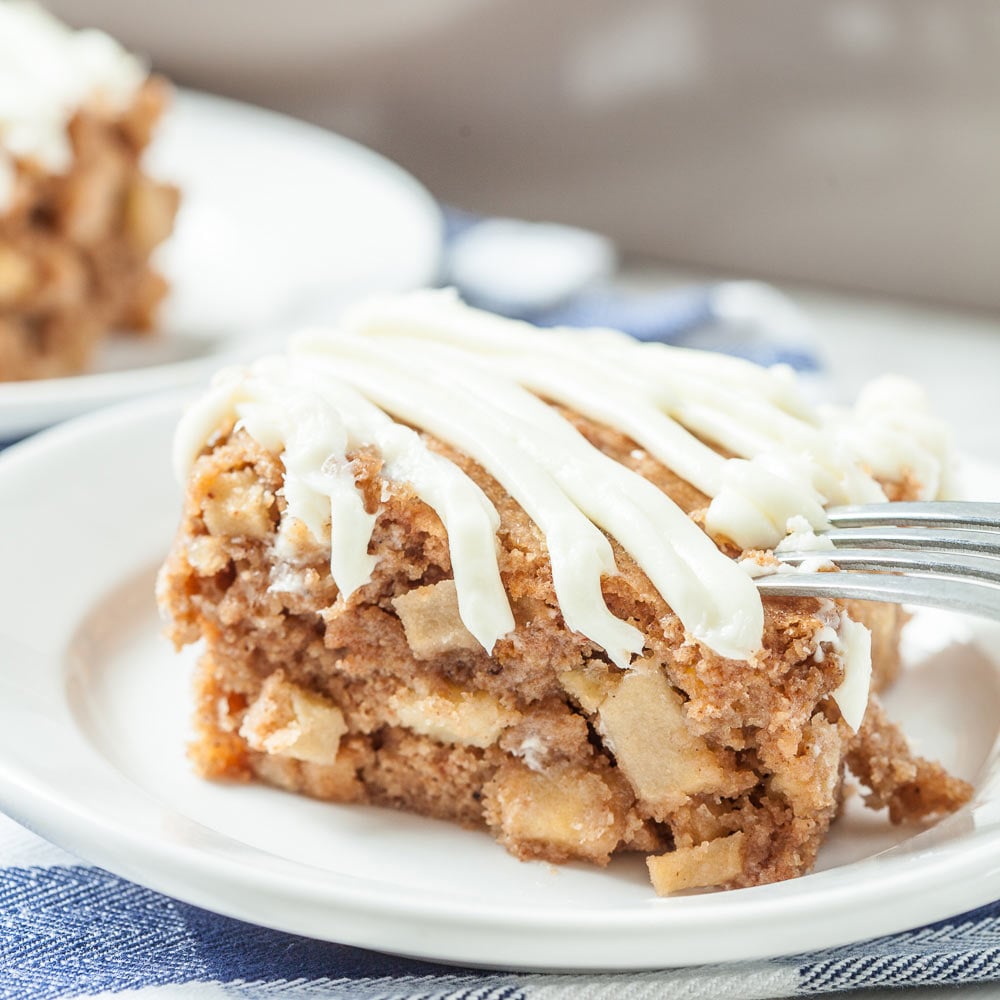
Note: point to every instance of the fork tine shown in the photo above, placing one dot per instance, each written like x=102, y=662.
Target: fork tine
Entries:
x=916, y=537
x=956, y=514
x=975, y=597
x=923, y=562
x=947, y=554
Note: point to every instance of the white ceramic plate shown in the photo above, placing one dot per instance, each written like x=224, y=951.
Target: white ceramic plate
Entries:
x=93, y=709
x=280, y=223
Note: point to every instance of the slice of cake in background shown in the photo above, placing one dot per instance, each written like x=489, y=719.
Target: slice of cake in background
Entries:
x=448, y=563
x=78, y=216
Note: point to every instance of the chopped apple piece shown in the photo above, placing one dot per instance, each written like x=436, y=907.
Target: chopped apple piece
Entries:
x=238, y=505
x=285, y=720
x=431, y=620
x=566, y=811
x=590, y=686
x=714, y=863
x=643, y=723
x=809, y=781
x=452, y=715
x=207, y=555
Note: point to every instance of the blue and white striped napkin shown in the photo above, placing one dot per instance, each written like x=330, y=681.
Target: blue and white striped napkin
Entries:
x=69, y=929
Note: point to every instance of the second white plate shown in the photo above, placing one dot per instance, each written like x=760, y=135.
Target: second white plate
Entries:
x=280, y=223
x=93, y=710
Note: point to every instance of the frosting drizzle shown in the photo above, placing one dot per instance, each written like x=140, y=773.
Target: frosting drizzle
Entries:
x=486, y=387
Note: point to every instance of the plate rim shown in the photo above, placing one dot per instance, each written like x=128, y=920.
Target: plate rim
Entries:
x=891, y=902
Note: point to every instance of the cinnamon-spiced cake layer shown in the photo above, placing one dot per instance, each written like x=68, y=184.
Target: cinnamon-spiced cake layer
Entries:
x=79, y=217
x=447, y=563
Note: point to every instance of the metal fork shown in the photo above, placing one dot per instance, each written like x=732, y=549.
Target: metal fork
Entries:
x=944, y=555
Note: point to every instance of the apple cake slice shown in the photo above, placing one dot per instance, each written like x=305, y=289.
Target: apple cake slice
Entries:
x=78, y=216
x=447, y=563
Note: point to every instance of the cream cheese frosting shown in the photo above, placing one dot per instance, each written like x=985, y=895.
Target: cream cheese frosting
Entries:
x=47, y=72
x=487, y=386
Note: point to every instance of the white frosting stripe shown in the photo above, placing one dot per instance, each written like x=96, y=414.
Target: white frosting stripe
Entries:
x=751, y=424
x=716, y=602
x=620, y=405
x=313, y=420
x=465, y=511
x=854, y=646
x=554, y=367
x=319, y=487
x=204, y=418
x=777, y=385
x=579, y=554
x=650, y=392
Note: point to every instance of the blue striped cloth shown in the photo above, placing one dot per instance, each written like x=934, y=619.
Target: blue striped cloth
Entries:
x=70, y=929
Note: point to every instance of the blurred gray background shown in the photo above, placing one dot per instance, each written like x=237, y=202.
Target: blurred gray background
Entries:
x=851, y=143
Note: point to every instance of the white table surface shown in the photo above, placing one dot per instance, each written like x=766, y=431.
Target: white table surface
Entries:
x=954, y=355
